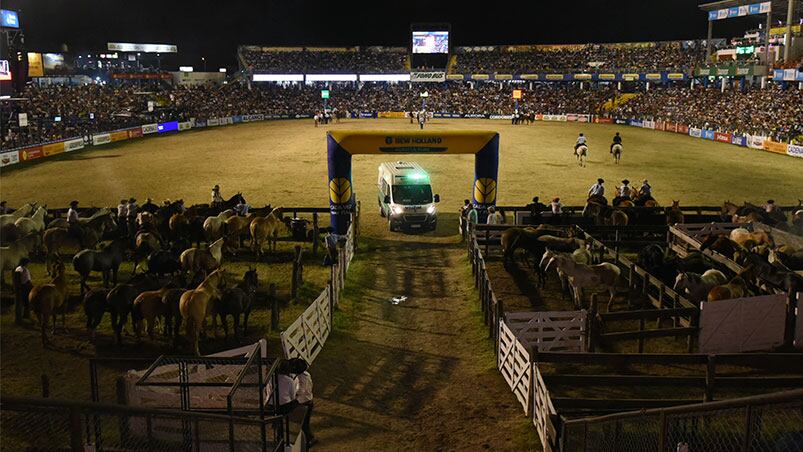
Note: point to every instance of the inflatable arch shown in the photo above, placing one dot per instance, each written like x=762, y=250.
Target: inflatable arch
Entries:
x=343, y=144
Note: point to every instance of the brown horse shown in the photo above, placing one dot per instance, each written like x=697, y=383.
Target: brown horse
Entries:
x=150, y=306
x=743, y=236
x=58, y=239
x=266, y=229
x=46, y=299
x=205, y=260
x=736, y=288
x=604, y=215
x=237, y=227
x=673, y=214
x=196, y=304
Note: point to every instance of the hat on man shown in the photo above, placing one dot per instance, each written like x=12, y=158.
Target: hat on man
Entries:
x=600, y=181
x=73, y=203
x=625, y=181
x=132, y=200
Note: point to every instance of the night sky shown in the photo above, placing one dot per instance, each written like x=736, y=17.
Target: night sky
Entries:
x=213, y=29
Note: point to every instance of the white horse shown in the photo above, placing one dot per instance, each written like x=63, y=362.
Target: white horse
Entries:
x=10, y=218
x=34, y=223
x=616, y=150
x=596, y=278
x=213, y=226
x=697, y=286
x=581, y=154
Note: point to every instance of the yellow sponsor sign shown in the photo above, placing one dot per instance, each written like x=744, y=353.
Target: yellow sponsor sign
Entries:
x=52, y=149
x=675, y=76
x=504, y=76
x=774, y=146
x=340, y=190
x=391, y=114
x=480, y=76
x=485, y=190
x=554, y=76
x=529, y=76
x=454, y=77
x=412, y=142
x=119, y=136
x=582, y=76
x=607, y=76
x=630, y=77
x=35, y=66
x=653, y=76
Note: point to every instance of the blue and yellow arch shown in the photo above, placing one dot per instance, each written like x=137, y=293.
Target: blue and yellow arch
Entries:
x=343, y=144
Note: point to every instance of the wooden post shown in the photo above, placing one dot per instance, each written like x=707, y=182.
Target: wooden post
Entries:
x=45, y=386
x=274, y=307
x=316, y=233
x=297, y=271
x=76, y=432
x=710, y=375
x=641, y=323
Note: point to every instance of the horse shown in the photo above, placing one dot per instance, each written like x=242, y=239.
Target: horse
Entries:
x=697, y=286
x=34, y=223
x=604, y=215
x=46, y=299
x=107, y=261
x=206, y=260
x=616, y=150
x=583, y=276
x=673, y=214
x=94, y=307
x=62, y=222
x=163, y=214
x=735, y=288
x=213, y=226
x=266, y=229
x=721, y=244
x=145, y=243
x=742, y=236
x=151, y=305
x=163, y=262
x=792, y=261
x=11, y=218
x=580, y=255
x=237, y=227
x=56, y=239
x=120, y=300
x=238, y=300
x=581, y=154
x=196, y=304
x=527, y=239
x=10, y=255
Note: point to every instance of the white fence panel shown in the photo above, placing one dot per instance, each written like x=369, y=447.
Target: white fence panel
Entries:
x=515, y=365
x=550, y=331
x=543, y=410
x=305, y=337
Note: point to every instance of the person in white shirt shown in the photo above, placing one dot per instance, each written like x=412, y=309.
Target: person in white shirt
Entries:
x=597, y=189
x=216, y=196
x=581, y=140
x=242, y=208
x=122, y=217
x=73, y=222
x=494, y=217
x=22, y=287
x=299, y=367
x=557, y=207
x=625, y=191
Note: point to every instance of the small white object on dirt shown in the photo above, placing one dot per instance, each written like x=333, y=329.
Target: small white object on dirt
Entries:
x=399, y=299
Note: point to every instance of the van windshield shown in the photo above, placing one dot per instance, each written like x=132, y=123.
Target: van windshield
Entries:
x=412, y=194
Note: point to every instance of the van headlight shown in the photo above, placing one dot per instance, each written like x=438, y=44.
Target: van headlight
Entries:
x=431, y=209
x=398, y=210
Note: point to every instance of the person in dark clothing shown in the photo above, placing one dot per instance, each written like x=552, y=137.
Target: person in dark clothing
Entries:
x=616, y=140
x=536, y=207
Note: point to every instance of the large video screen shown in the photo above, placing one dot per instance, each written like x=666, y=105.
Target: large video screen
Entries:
x=430, y=42
x=9, y=19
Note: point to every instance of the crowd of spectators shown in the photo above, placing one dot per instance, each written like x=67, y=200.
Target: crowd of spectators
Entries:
x=771, y=112
x=61, y=112
x=672, y=56
x=352, y=61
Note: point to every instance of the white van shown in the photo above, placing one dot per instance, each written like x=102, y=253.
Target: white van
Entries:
x=405, y=197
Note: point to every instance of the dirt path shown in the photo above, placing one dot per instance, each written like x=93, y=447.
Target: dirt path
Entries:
x=418, y=375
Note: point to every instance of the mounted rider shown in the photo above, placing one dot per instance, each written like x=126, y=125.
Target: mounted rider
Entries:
x=217, y=199
x=581, y=140
x=623, y=193
x=616, y=140
x=74, y=223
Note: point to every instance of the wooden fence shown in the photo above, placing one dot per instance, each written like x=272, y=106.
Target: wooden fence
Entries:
x=515, y=365
x=306, y=336
x=549, y=330
x=747, y=324
x=545, y=417
x=684, y=238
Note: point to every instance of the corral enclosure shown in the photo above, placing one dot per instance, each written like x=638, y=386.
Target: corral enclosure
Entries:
x=284, y=163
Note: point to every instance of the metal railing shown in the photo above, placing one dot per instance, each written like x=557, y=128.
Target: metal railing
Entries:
x=50, y=424
x=772, y=422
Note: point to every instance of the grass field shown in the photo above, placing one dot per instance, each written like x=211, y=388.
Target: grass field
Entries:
x=419, y=375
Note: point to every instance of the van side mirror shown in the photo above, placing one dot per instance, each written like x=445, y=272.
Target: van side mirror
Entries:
x=437, y=198
x=387, y=199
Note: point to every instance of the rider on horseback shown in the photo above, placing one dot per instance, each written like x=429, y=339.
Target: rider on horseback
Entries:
x=73, y=223
x=217, y=199
x=616, y=140
x=581, y=140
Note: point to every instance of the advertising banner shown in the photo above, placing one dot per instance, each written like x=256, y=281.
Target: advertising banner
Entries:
x=620, y=121
x=708, y=134
x=774, y=146
x=648, y=124
x=739, y=140
x=684, y=129
x=227, y=120
x=22, y=119
x=756, y=141
x=635, y=122
x=213, y=122
x=599, y=120
x=392, y=114
x=795, y=150
x=659, y=125
x=367, y=114
x=259, y=117
x=31, y=153
x=149, y=128
x=9, y=158
x=583, y=118
x=236, y=119
x=442, y=114
x=171, y=126
x=671, y=127
x=74, y=145
x=136, y=132
x=437, y=76
x=474, y=115
x=36, y=67
x=200, y=123
x=53, y=149
x=695, y=132
x=722, y=137
x=187, y=125
x=101, y=138
x=571, y=117
x=120, y=135
x=503, y=117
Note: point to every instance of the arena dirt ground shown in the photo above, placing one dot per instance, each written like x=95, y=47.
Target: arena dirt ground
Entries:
x=418, y=375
